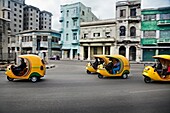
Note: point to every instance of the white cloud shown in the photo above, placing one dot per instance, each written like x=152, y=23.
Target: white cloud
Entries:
x=100, y=8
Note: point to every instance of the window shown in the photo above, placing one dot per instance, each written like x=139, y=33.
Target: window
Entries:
x=122, y=31
x=74, y=36
x=67, y=37
x=149, y=17
x=8, y=4
x=107, y=34
x=83, y=13
x=133, y=12
x=67, y=24
x=9, y=15
x=165, y=34
x=74, y=23
x=164, y=16
x=85, y=35
x=95, y=50
x=67, y=14
x=45, y=38
x=149, y=34
x=133, y=31
x=122, y=13
x=96, y=34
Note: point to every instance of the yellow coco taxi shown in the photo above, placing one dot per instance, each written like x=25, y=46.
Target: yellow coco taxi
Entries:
x=31, y=67
x=160, y=71
x=99, y=59
x=118, y=66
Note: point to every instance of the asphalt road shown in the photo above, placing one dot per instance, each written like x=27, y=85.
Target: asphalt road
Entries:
x=68, y=89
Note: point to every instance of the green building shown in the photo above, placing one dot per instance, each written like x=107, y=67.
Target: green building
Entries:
x=155, y=32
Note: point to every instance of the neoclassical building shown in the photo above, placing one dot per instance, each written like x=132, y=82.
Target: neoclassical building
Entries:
x=128, y=29
x=97, y=38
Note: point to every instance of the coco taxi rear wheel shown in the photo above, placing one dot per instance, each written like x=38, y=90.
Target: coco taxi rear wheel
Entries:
x=34, y=79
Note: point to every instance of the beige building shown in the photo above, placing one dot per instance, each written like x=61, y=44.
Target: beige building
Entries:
x=128, y=29
x=97, y=38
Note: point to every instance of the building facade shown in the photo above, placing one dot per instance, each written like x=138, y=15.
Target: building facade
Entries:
x=128, y=29
x=13, y=11
x=97, y=38
x=4, y=26
x=36, y=41
x=31, y=18
x=45, y=20
x=71, y=16
x=155, y=29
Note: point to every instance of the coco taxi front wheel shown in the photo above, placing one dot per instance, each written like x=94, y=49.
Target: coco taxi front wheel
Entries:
x=147, y=80
x=10, y=79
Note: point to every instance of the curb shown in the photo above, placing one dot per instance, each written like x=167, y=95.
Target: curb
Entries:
x=50, y=66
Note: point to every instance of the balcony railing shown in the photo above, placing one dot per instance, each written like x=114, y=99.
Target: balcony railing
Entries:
x=163, y=22
x=149, y=41
x=55, y=45
x=75, y=16
x=75, y=28
x=75, y=41
x=163, y=40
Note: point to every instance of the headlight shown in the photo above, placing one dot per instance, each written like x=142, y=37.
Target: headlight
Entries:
x=147, y=69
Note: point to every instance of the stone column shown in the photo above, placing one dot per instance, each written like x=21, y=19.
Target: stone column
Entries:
x=103, y=49
x=127, y=52
x=138, y=57
x=81, y=52
x=71, y=54
x=49, y=46
x=34, y=43
x=88, y=53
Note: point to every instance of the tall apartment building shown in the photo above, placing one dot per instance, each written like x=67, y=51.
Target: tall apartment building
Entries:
x=34, y=19
x=128, y=29
x=155, y=30
x=45, y=20
x=31, y=18
x=13, y=10
x=71, y=16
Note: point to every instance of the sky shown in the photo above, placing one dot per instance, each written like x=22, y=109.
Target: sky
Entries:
x=101, y=8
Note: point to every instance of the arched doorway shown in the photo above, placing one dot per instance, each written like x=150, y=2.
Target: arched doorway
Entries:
x=132, y=53
x=122, y=51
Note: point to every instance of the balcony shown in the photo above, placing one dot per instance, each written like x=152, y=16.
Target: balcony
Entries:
x=5, y=9
x=26, y=44
x=75, y=16
x=129, y=39
x=61, y=19
x=75, y=42
x=149, y=41
x=163, y=22
x=75, y=28
x=163, y=40
x=55, y=45
x=44, y=44
x=60, y=42
x=61, y=30
x=134, y=18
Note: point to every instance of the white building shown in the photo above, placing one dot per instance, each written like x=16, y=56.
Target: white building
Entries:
x=35, y=41
x=97, y=37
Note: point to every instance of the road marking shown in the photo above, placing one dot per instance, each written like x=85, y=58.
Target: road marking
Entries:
x=145, y=91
